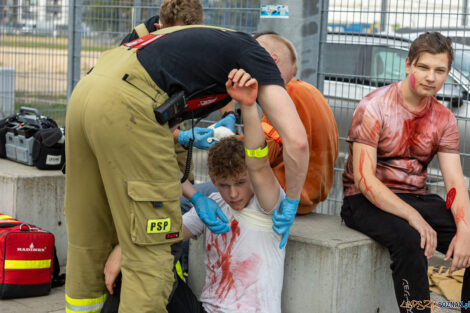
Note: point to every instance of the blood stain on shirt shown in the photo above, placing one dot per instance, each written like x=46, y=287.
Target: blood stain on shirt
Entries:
x=408, y=137
x=375, y=131
x=224, y=259
x=226, y=272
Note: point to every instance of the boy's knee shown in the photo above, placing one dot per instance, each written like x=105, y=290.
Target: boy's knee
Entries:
x=408, y=243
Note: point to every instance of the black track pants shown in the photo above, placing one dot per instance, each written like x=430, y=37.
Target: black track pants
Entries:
x=409, y=265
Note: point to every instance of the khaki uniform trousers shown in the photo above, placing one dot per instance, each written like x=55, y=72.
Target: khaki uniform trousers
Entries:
x=122, y=185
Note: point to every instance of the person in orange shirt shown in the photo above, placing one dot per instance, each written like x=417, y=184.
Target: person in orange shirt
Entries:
x=318, y=120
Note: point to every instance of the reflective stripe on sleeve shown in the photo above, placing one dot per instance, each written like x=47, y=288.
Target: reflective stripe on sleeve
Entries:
x=84, y=305
x=27, y=264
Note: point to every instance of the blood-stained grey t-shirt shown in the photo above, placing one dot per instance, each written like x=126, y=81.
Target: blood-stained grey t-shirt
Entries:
x=406, y=141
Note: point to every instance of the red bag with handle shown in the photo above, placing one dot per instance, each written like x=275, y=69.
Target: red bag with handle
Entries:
x=26, y=259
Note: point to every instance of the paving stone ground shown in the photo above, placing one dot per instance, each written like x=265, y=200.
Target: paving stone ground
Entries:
x=55, y=301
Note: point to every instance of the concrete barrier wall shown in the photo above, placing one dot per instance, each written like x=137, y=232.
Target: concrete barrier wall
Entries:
x=329, y=268
x=36, y=197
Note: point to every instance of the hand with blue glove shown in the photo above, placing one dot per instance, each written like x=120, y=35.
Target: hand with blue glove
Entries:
x=228, y=121
x=283, y=220
x=201, y=134
x=210, y=213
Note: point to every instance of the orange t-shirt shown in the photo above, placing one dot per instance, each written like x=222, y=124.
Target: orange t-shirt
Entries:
x=322, y=134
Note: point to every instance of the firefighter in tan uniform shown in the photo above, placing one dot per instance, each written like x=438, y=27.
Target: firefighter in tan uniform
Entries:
x=123, y=182
x=184, y=12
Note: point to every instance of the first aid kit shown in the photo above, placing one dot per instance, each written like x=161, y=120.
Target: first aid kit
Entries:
x=26, y=259
x=32, y=139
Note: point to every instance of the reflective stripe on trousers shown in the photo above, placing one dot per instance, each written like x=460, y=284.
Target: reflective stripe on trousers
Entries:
x=84, y=305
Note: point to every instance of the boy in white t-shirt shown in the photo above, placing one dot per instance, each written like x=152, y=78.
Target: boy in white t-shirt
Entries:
x=244, y=267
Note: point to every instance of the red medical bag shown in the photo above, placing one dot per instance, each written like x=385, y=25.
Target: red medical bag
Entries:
x=26, y=259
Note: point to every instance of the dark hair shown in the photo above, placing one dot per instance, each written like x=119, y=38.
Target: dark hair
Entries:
x=227, y=158
x=431, y=42
x=188, y=11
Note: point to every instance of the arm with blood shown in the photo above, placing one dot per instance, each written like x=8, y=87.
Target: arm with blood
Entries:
x=364, y=165
x=458, y=201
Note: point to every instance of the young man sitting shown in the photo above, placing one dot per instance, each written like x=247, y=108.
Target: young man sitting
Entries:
x=395, y=133
x=244, y=267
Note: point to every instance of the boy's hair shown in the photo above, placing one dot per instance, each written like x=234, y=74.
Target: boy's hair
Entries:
x=431, y=42
x=227, y=158
x=188, y=11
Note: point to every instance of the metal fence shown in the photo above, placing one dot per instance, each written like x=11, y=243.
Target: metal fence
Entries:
x=47, y=45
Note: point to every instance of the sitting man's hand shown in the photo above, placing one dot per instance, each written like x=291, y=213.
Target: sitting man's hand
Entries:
x=228, y=121
x=112, y=268
x=459, y=248
x=283, y=220
x=200, y=140
x=210, y=213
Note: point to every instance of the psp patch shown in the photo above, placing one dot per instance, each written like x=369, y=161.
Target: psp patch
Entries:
x=158, y=226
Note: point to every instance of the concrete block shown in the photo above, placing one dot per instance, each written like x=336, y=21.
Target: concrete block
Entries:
x=329, y=268
x=37, y=197
x=7, y=91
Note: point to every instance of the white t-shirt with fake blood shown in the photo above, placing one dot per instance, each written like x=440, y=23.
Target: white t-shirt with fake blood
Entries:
x=244, y=267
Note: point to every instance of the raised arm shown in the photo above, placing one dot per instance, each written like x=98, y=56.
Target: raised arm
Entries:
x=281, y=112
x=459, y=248
x=364, y=165
x=265, y=184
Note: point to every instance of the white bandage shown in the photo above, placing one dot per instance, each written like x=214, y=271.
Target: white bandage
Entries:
x=219, y=133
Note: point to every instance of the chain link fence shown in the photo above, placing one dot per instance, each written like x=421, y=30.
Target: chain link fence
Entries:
x=46, y=46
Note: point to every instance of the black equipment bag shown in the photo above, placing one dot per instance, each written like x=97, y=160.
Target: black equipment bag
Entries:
x=32, y=139
x=49, y=149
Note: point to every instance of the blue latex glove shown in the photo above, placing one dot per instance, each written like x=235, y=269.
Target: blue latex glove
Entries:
x=210, y=213
x=283, y=220
x=201, y=134
x=228, y=121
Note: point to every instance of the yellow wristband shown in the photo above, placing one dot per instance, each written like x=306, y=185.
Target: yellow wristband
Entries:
x=260, y=152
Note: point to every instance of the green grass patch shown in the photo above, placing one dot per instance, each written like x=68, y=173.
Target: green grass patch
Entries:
x=55, y=43
x=47, y=45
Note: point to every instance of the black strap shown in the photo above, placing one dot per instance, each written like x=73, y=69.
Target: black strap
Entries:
x=57, y=278
x=237, y=119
